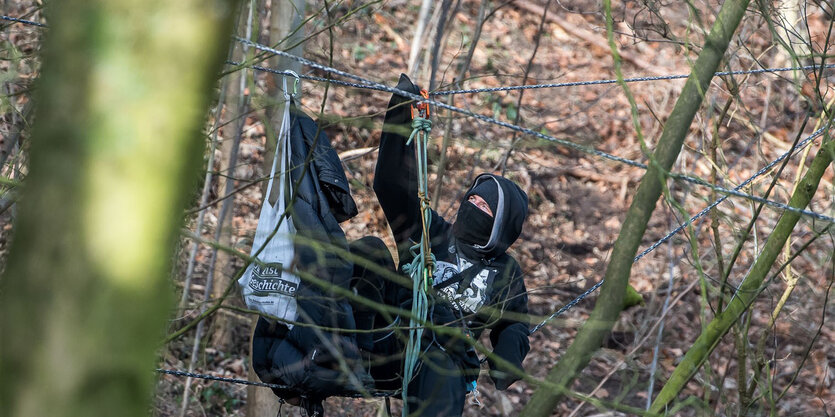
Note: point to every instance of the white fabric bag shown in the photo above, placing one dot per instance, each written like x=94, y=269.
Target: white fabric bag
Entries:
x=271, y=288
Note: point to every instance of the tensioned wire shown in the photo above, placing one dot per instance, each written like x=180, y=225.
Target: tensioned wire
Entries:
x=24, y=21
x=565, y=308
x=536, y=86
x=368, y=84
x=681, y=227
x=707, y=209
x=365, y=83
x=628, y=80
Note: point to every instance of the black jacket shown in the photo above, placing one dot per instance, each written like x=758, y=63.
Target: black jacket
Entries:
x=320, y=200
x=323, y=200
x=492, y=294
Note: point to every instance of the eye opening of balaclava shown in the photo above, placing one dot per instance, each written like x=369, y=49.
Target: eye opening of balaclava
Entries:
x=473, y=225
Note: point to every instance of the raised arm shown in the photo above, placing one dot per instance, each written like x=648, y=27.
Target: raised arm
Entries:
x=395, y=179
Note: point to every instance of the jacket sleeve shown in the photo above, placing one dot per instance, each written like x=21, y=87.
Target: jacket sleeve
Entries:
x=395, y=177
x=509, y=336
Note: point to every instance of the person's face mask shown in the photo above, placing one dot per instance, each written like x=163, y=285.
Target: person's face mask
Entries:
x=480, y=203
x=473, y=225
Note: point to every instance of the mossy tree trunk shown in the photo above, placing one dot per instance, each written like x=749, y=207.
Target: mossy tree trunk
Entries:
x=608, y=306
x=116, y=148
x=751, y=284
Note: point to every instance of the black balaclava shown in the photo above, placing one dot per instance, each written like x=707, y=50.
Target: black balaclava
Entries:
x=473, y=225
x=510, y=208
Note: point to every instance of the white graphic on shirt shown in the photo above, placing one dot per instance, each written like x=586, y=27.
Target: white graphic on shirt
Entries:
x=473, y=297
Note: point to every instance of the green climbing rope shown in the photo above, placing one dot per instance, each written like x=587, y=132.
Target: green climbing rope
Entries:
x=423, y=264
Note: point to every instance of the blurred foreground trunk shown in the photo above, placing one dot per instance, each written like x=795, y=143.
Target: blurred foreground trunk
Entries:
x=115, y=151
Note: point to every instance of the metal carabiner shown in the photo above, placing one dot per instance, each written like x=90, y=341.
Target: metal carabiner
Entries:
x=296, y=92
x=421, y=109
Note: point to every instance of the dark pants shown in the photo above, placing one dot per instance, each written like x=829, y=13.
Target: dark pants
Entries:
x=438, y=387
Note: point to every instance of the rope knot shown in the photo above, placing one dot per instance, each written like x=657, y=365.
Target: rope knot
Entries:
x=424, y=200
x=419, y=123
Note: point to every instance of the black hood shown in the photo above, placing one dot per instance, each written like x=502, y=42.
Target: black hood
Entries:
x=508, y=218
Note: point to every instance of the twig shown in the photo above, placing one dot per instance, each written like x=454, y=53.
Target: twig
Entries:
x=714, y=179
x=658, y=338
x=585, y=35
x=6, y=202
x=229, y=195
x=356, y=153
x=814, y=339
x=463, y=68
x=14, y=138
x=791, y=283
x=752, y=222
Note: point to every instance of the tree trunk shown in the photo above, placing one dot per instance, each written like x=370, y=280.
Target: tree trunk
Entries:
x=116, y=145
x=237, y=104
x=437, y=49
x=417, y=41
x=285, y=17
x=750, y=288
x=261, y=402
x=609, y=304
x=793, y=26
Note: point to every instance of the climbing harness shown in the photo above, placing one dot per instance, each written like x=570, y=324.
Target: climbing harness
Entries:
x=423, y=263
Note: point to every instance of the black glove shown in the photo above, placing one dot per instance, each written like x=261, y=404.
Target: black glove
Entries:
x=501, y=379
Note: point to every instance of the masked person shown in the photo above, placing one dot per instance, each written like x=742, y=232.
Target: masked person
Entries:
x=476, y=286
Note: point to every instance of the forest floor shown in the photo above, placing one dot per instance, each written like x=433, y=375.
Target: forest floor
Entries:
x=577, y=201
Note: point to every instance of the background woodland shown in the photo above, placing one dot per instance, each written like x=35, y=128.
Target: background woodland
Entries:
x=774, y=359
